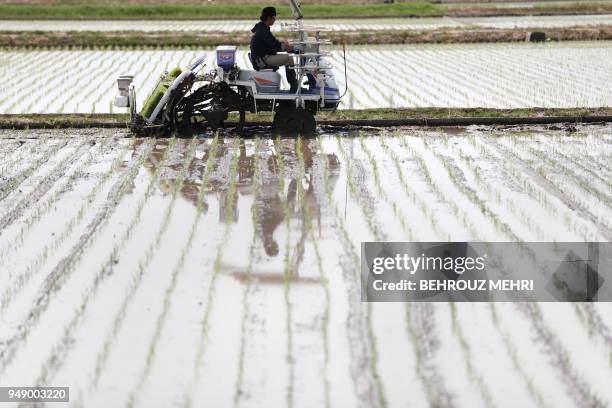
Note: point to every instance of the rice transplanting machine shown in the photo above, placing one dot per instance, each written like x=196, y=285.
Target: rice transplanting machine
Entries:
x=189, y=101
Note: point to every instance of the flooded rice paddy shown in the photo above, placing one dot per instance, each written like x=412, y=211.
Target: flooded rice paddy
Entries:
x=551, y=75
x=219, y=270
x=340, y=24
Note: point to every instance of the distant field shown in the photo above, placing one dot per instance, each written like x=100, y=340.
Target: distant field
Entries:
x=235, y=9
x=208, y=11
x=451, y=76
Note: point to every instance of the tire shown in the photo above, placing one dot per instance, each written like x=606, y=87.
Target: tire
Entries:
x=289, y=121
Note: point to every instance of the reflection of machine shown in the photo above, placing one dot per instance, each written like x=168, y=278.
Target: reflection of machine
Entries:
x=189, y=101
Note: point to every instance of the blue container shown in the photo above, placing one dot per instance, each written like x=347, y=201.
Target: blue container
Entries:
x=226, y=57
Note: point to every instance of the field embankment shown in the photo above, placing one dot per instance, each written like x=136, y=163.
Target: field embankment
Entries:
x=35, y=39
x=365, y=117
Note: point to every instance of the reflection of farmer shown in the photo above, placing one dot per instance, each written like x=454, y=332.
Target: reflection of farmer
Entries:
x=270, y=208
x=264, y=47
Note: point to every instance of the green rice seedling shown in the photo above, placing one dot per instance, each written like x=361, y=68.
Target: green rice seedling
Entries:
x=421, y=329
x=341, y=225
x=538, y=160
x=40, y=258
x=494, y=193
x=433, y=185
x=579, y=390
x=159, y=91
x=11, y=163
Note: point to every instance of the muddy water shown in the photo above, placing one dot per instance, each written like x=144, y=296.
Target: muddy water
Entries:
x=224, y=271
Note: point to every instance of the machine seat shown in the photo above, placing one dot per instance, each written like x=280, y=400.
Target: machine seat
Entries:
x=265, y=68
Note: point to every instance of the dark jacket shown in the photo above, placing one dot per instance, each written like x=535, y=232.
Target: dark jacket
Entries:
x=263, y=42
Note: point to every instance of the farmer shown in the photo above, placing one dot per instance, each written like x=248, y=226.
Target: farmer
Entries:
x=264, y=47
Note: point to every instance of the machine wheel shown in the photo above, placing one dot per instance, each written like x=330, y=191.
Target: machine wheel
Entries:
x=290, y=121
x=207, y=106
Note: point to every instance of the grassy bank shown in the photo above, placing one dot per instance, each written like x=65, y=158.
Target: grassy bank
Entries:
x=96, y=10
x=137, y=39
x=211, y=11
x=119, y=120
x=568, y=8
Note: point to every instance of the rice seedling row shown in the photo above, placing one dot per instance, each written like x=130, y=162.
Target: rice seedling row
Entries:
x=46, y=205
x=202, y=340
x=55, y=360
x=46, y=182
x=336, y=24
x=136, y=277
x=60, y=273
x=550, y=76
x=572, y=202
x=42, y=225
